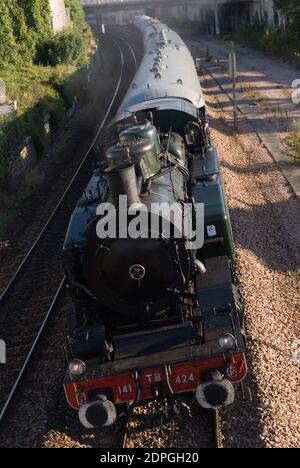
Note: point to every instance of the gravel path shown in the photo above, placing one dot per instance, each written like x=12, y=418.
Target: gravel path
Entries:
x=265, y=216
x=264, y=97
x=273, y=69
x=184, y=428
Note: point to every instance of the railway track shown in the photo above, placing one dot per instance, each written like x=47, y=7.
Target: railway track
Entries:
x=34, y=290
x=31, y=251
x=158, y=426
x=216, y=428
x=125, y=40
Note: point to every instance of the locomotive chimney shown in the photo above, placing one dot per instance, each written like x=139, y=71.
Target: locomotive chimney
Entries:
x=122, y=181
x=121, y=176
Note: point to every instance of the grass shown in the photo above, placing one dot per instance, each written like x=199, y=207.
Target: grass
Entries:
x=251, y=89
x=274, y=41
x=295, y=141
x=39, y=91
x=34, y=83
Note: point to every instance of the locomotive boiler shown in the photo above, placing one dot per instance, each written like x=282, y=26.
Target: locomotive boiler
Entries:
x=141, y=276
x=155, y=313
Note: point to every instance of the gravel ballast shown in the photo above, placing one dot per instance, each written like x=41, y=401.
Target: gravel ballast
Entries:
x=265, y=216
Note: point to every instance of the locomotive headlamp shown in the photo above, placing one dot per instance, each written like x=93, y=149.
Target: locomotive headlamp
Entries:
x=227, y=342
x=76, y=368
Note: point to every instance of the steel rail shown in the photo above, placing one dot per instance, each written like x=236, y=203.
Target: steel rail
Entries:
x=122, y=442
x=216, y=428
x=31, y=352
x=54, y=302
x=130, y=48
x=48, y=222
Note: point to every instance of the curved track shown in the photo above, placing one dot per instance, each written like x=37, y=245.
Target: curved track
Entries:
x=30, y=297
x=30, y=253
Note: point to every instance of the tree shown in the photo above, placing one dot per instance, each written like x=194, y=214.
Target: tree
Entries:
x=23, y=35
x=291, y=8
x=8, y=44
x=24, y=24
x=37, y=13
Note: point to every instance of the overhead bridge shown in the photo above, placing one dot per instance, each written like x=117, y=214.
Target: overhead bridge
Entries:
x=116, y=5
x=214, y=15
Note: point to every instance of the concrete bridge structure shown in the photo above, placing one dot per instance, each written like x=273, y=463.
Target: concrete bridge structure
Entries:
x=213, y=15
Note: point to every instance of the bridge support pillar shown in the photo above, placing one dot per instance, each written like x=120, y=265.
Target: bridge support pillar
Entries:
x=217, y=20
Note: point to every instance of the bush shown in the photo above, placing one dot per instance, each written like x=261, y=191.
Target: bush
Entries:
x=4, y=174
x=70, y=88
x=297, y=59
x=26, y=45
x=65, y=48
x=24, y=24
x=274, y=41
x=279, y=42
x=25, y=30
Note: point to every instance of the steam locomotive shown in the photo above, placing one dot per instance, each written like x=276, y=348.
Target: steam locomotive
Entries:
x=157, y=314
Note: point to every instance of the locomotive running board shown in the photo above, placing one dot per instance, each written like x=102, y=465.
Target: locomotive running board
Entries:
x=170, y=355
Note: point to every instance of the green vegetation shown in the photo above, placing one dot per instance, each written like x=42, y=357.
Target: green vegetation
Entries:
x=39, y=91
x=66, y=48
x=4, y=174
x=70, y=46
x=291, y=9
x=25, y=31
x=43, y=72
x=275, y=41
x=24, y=25
x=295, y=140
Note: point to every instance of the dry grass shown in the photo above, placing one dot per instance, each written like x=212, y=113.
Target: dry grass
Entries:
x=295, y=141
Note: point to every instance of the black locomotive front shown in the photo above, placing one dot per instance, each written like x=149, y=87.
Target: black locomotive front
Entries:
x=133, y=276
x=138, y=277
x=154, y=313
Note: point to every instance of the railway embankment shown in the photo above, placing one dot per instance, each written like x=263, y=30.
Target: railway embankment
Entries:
x=42, y=77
